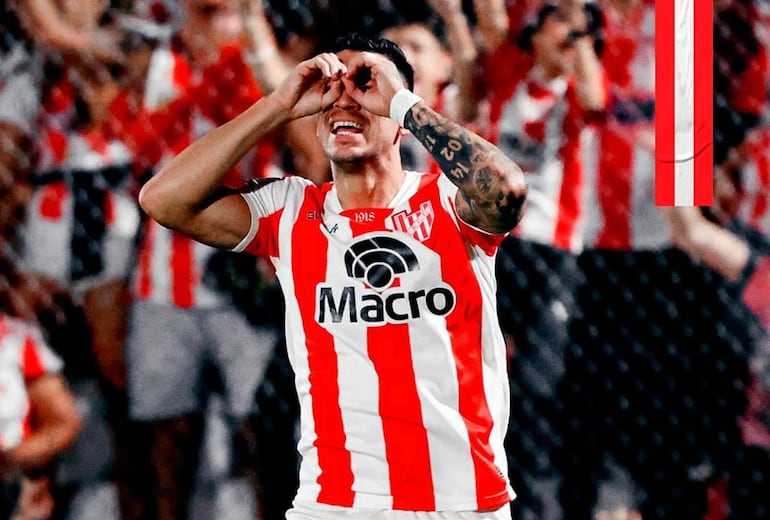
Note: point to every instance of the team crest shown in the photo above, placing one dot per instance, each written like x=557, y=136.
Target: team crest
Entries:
x=418, y=224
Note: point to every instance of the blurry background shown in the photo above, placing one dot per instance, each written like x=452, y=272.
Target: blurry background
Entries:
x=637, y=335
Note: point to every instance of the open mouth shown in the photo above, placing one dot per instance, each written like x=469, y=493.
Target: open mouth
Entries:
x=346, y=128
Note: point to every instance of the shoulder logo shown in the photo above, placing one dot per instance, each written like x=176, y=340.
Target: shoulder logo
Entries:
x=379, y=260
x=418, y=224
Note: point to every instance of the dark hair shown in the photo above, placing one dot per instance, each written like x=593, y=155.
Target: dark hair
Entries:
x=594, y=19
x=359, y=42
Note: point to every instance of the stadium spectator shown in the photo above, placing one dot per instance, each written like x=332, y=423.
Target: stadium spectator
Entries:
x=189, y=347
x=627, y=348
x=270, y=60
x=33, y=32
x=385, y=428
x=38, y=418
x=733, y=238
x=745, y=263
x=620, y=216
x=543, y=92
x=78, y=50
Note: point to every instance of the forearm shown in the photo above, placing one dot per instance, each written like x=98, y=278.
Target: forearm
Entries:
x=56, y=425
x=46, y=22
x=264, y=56
x=492, y=187
x=464, y=56
x=187, y=183
x=591, y=88
x=39, y=449
x=492, y=21
x=706, y=242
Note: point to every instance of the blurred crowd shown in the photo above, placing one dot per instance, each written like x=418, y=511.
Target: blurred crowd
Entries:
x=143, y=375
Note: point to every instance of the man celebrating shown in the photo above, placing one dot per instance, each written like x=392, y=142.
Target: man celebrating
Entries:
x=388, y=277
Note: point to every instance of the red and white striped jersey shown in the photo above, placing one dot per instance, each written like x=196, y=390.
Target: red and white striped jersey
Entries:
x=24, y=357
x=393, y=335
x=541, y=127
x=184, y=104
x=620, y=162
x=48, y=226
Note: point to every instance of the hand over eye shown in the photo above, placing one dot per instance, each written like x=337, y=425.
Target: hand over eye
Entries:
x=362, y=78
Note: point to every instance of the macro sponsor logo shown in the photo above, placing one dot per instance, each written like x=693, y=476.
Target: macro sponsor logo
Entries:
x=379, y=262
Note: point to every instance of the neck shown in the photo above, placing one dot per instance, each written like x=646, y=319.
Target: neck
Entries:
x=367, y=185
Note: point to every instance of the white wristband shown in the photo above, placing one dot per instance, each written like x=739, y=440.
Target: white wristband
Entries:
x=400, y=104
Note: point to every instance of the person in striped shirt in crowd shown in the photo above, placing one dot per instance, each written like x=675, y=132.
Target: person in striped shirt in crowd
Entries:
x=38, y=417
x=388, y=277
x=732, y=237
x=540, y=90
x=183, y=322
x=624, y=341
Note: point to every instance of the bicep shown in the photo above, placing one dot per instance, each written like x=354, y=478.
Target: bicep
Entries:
x=221, y=223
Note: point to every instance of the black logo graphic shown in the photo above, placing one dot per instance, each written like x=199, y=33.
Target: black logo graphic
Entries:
x=378, y=260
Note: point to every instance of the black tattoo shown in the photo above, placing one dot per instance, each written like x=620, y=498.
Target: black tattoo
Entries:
x=491, y=185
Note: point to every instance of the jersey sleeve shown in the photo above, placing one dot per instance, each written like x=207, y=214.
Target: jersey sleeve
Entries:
x=487, y=242
x=266, y=202
x=37, y=358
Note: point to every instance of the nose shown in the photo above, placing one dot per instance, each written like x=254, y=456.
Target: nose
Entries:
x=346, y=102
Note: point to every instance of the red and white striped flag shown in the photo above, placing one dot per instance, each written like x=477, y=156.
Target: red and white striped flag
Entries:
x=684, y=125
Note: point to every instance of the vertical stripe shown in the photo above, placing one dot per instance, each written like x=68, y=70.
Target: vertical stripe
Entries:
x=703, y=103
x=336, y=477
x=145, y=260
x=570, y=193
x=684, y=87
x=181, y=263
x=406, y=439
x=464, y=326
x=665, y=74
x=614, y=185
x=32, y=365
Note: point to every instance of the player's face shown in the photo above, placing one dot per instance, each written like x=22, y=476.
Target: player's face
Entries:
x=348, y=132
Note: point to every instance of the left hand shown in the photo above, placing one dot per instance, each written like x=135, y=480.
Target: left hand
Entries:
x=375, y=91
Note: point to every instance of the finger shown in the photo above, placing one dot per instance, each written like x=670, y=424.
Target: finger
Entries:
x=332, y=92
x=331, y=65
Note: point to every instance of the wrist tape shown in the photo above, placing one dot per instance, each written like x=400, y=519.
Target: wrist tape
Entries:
x=400, y=104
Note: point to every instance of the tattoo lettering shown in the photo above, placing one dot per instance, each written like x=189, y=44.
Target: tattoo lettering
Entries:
x=491, y=185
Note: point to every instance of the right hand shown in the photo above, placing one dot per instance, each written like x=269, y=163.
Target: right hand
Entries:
x=311, y=86
x=445, y=8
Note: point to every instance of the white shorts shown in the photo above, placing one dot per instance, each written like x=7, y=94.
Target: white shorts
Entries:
x=166, y=351
x=327, y=512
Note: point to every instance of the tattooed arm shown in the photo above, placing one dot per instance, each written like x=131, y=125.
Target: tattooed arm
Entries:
x=492, y=188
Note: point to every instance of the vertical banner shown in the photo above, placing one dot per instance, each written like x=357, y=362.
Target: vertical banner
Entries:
x=684, y=90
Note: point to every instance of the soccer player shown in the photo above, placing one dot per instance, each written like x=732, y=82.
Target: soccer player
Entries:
x=388, y=277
